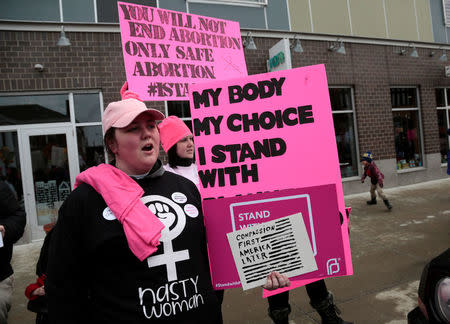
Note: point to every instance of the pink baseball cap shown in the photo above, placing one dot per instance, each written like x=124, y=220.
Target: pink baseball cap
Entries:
x=121, y=113
x=171, y=130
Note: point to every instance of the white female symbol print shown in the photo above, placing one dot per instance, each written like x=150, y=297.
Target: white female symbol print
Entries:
x=172, y=215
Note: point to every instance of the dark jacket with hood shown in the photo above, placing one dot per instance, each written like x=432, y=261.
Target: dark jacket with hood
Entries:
x=12, y=217
x=93, y=275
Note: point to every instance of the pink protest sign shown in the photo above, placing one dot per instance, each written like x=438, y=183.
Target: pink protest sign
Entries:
x=266, y=132
x=321, y=220
x=165, y=51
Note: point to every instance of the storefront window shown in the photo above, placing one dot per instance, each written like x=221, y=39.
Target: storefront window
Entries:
x=180, y=109
x=234, y=2
x=407, y=130
x=404, y=98
x=37, y=109
x=73, y=11
x=107, y=9
x=343, y=118
x=87, y=107
x=440, y=98
x=443, y=114
x=10, y=163
x=90, y=146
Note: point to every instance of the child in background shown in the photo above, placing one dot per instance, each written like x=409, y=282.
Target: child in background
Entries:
x=376, y=179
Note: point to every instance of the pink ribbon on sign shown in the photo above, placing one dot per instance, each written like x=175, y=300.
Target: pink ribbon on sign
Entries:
x=122, y=195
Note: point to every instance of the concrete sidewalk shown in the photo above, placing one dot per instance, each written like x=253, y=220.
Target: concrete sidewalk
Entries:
x=389, y=251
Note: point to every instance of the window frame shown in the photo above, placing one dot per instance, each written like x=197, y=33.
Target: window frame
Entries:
x=421, y=140
x=166, y=111
x=242, y=3
x=446, y=108
x=446, y=12
x=352, y=111
x=73, y=124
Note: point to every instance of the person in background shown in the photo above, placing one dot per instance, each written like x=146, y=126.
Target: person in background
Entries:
x=376, y=179
x=448, y=155
x=12, y=226
x=35, y=292
x=124, y=248
x=178, y=142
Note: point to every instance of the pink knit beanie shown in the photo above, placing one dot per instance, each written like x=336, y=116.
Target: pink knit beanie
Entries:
x=171, y=130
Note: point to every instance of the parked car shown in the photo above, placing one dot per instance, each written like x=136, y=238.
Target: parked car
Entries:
x=434, y=293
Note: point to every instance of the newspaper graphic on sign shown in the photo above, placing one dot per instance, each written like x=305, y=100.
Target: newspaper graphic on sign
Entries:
x=280, y=245
x=245, y=214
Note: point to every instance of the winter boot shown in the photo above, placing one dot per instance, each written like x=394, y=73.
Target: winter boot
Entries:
x=281, y=315
x=373, y=201
x=328, y=311
x=387, y=203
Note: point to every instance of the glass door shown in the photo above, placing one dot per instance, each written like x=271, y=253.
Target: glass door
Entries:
x=49, y=169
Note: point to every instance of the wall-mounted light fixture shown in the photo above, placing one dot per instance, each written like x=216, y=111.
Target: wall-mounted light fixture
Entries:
x=414, y=52
x=248, y=42
x=337, y=47
x=63, y=40
x=296, y=46
x=405, y=50
x=443, y=57
x=39, y=67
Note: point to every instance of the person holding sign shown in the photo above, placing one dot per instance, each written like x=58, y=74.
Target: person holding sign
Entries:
x=129, y=244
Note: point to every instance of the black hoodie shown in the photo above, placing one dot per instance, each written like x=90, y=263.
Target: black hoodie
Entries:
x=94, y=277
x=12, y=217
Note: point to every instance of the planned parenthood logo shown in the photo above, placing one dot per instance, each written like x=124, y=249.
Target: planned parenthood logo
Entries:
x=332, y=266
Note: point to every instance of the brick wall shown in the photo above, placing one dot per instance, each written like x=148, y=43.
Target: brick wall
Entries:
x=94, y=61
x=371, y=70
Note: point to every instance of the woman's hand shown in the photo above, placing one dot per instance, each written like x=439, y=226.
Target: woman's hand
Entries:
x=276, y=280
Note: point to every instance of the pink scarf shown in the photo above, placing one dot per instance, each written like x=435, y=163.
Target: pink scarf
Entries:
x=122, y=195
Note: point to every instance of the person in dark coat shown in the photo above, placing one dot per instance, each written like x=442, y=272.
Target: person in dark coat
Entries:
x=35, y=292
x=448, y=156
x=12, y=225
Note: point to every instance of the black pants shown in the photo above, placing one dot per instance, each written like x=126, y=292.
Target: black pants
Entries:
x=42, y=318
x=316, y=291
x=219, y=294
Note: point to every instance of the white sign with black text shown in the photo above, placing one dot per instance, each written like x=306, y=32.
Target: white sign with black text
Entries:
x=280, y=245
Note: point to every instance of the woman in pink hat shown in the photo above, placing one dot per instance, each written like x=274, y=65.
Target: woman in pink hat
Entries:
x=178, y=142
x=129, y=245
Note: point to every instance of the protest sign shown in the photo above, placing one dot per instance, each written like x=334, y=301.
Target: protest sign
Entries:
x=165, y=51
x=319, y=212
x=267, y=133
x=280, y=245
